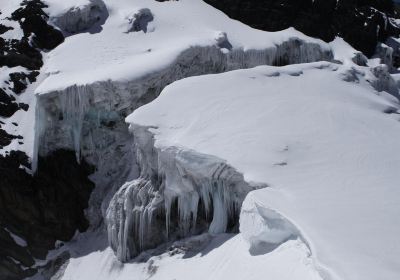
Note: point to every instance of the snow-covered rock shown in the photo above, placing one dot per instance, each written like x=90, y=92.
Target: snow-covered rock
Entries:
x=86, y=15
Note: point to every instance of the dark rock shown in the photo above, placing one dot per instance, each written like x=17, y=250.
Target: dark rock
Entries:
x=21, y=79
x=8, y=106
x=42, y=208
x=6, y=139
x=362, y=23
x=4, y=29
x=33, y=20
x=19, y=53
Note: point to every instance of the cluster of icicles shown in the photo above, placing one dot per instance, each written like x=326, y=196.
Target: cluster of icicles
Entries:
x=179, y=193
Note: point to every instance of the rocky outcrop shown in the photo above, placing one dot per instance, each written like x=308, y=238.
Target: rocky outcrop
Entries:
x=33, y=21
x=35, y=211
x=39, y=209
x=362, y=23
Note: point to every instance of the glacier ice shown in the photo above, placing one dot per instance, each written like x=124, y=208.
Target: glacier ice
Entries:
x=261, y=225
x=178, y=193
x=89, y=119
x=81, y=18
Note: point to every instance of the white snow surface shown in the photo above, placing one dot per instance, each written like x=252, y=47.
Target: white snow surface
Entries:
x=114, y=54
x=223, y=257
x=324, y=146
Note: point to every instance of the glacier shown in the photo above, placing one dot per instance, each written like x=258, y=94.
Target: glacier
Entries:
x=179, y=193
x=89, y=119
x=307, y=144
x=196, y=156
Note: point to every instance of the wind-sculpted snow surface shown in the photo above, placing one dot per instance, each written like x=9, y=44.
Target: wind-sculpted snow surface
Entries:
x=179, y=193
x=325, y=145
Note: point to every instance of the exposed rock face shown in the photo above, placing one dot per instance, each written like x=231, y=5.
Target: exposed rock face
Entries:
x=362, y=23
x=40, y=209
x=33, y=21
x=8, y=106
x=36, y=210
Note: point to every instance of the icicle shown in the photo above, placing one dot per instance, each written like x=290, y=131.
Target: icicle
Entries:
x=75, y=103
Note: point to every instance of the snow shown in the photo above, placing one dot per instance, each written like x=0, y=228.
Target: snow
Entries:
x=113, y=54
x=18, y=240
x=225, y=257
x=325, y=146
x=56, y=8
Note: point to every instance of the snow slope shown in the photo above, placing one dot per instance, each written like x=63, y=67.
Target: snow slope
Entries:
x=115, y=54
x=326, y=148
x=218, y=260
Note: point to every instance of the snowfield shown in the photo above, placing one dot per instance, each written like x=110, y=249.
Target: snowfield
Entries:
x=110, y=52
x=326, y=148
x=225, y=257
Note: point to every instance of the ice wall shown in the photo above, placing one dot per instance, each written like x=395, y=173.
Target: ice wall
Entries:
x=178, y=193
x=69, y=117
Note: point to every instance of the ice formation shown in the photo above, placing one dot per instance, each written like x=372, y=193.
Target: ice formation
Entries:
x=260, y=225
x=178, y=193
x=79, y=18
x=89, y=119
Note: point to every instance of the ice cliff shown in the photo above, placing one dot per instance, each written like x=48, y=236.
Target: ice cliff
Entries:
x=89, y=119
x=179, y=193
